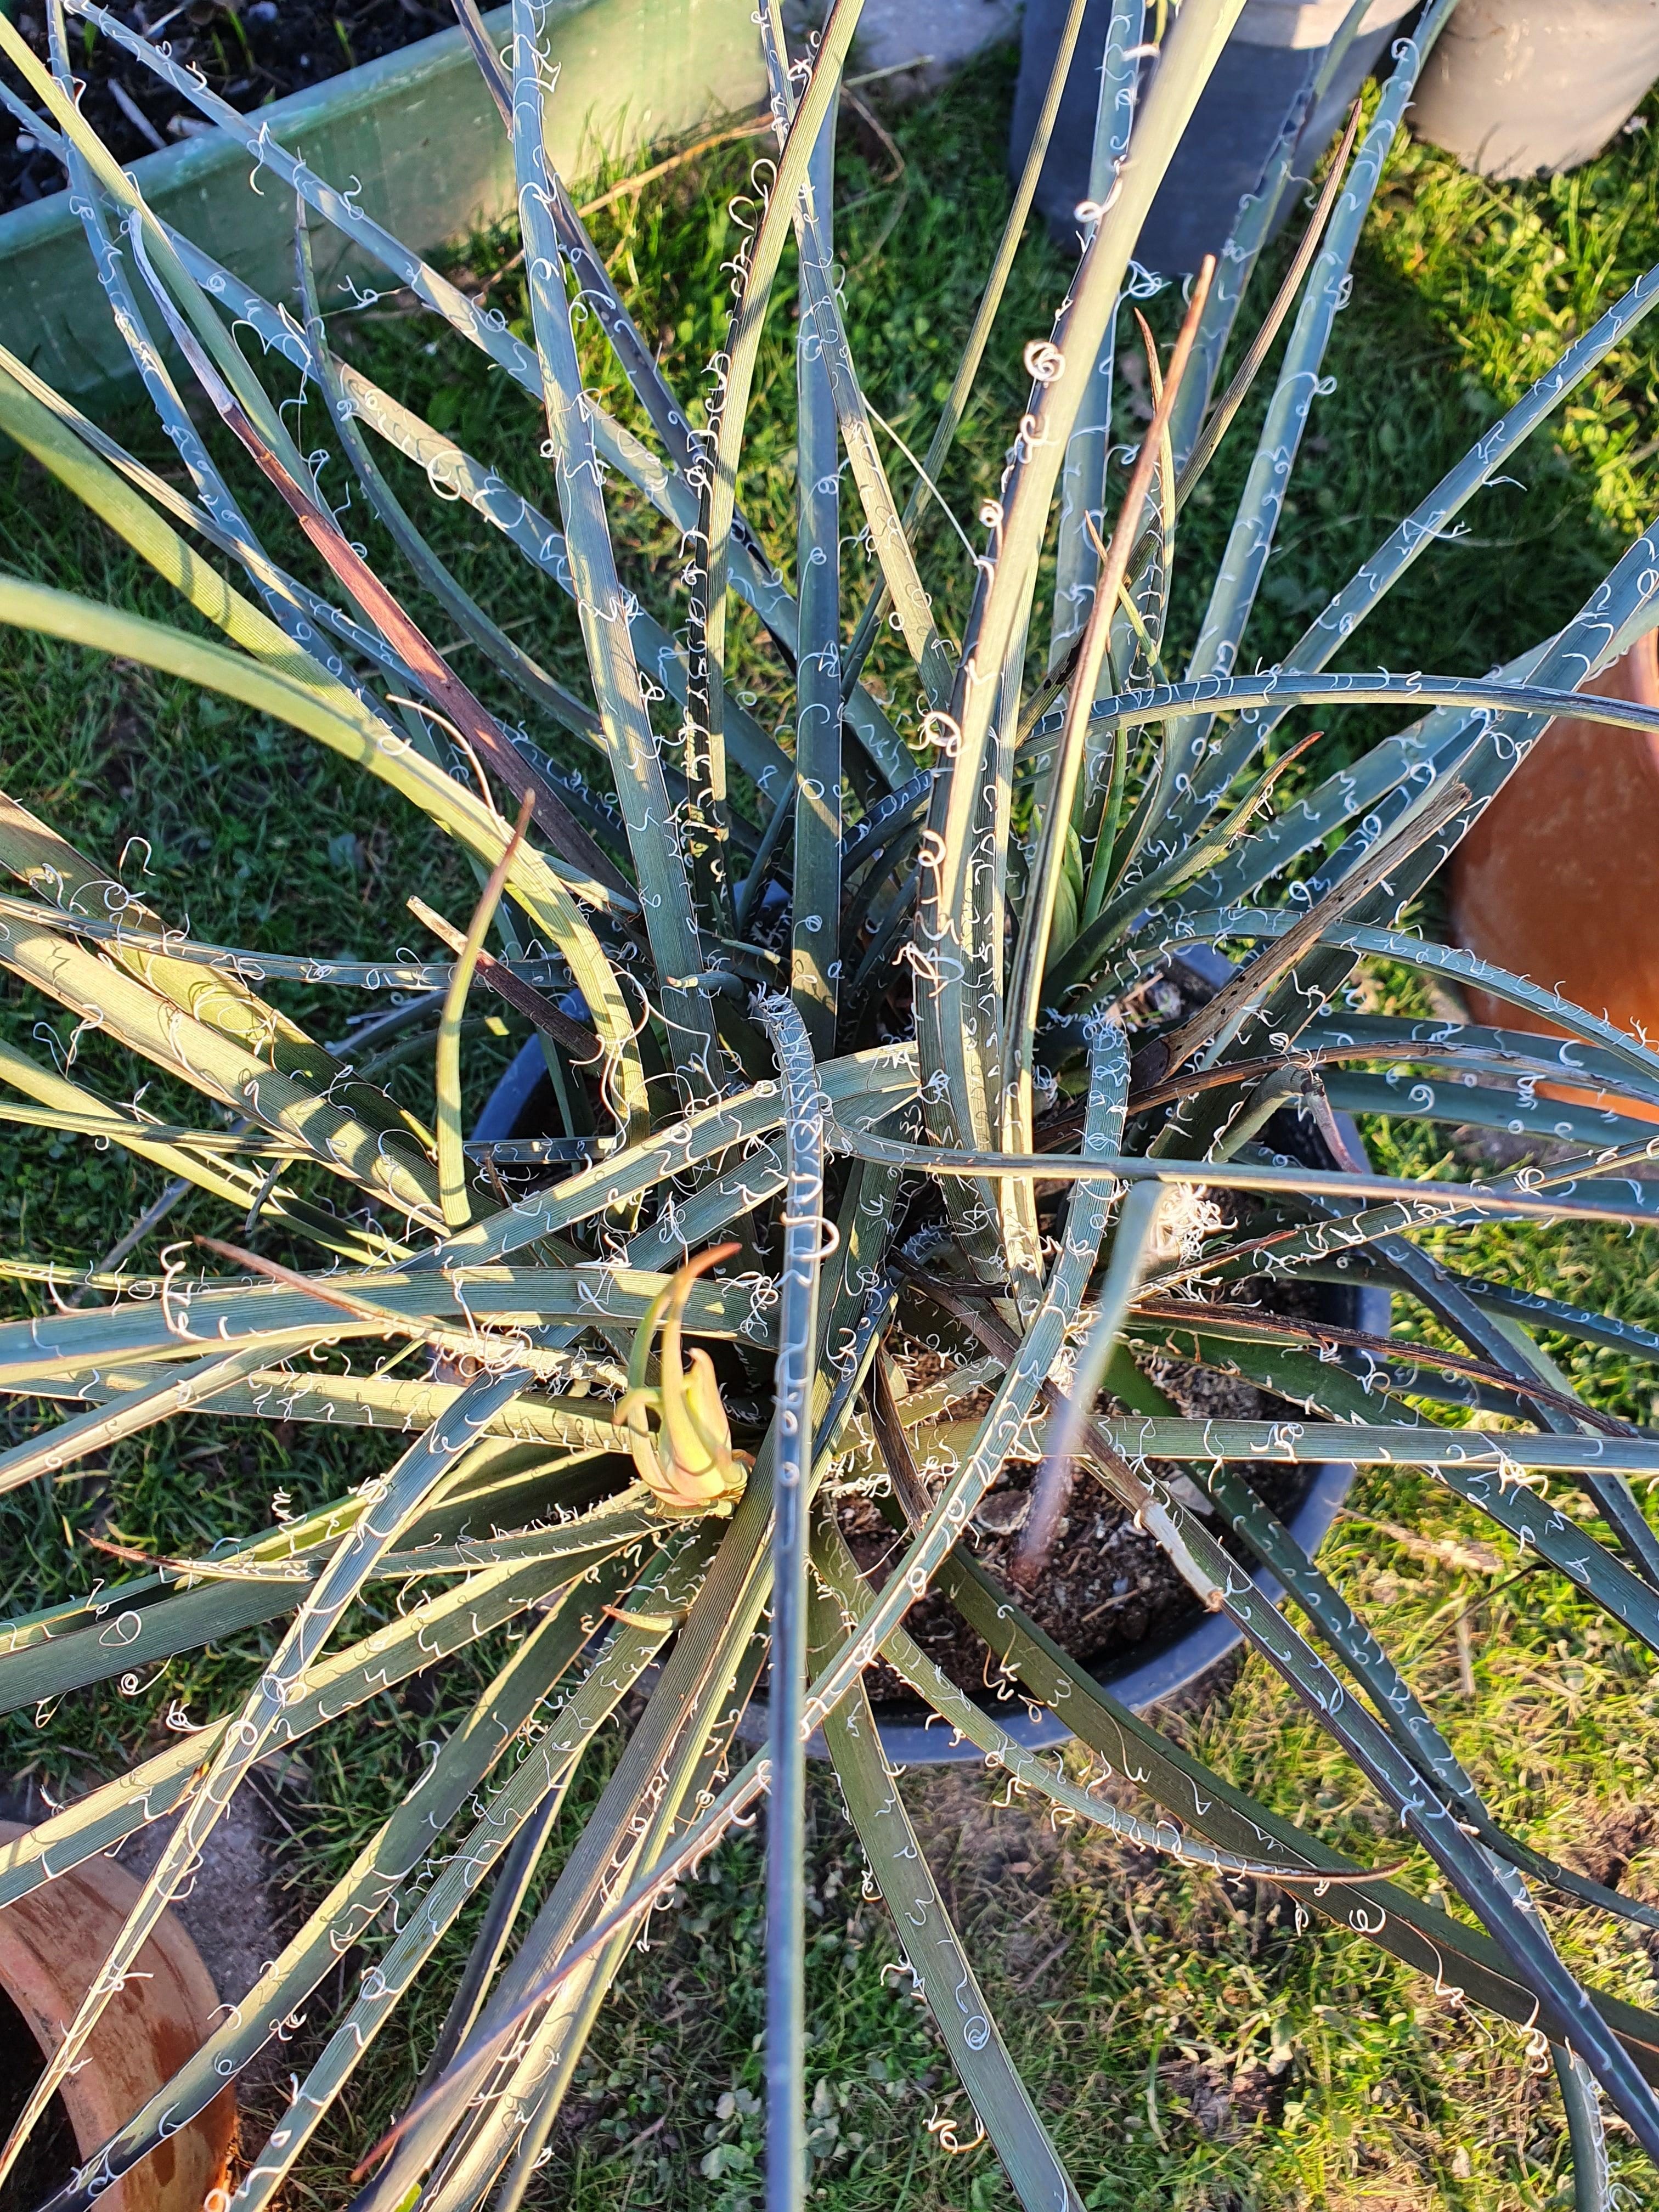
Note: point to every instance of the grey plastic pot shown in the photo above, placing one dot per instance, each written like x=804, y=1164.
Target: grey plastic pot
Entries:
x=1516, y=87
x=1274, y=52
x=520, y=1106
x=416, y=133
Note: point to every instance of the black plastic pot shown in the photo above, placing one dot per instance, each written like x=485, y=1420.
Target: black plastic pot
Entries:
x=522, y=1105
x=1272, y=56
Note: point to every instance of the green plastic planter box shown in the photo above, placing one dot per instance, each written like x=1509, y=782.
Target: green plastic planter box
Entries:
x=421, y=136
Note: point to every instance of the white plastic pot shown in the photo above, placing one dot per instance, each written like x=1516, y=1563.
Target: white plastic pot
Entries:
x=1515, y=87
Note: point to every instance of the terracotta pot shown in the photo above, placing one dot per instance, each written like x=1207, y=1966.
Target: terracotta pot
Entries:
x=52, y=1943
x=1559, y=880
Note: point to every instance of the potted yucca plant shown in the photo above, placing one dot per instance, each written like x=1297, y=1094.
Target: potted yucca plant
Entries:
x=847, y=1027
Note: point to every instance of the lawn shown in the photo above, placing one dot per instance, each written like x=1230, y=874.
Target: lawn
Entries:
x=1189, y=2047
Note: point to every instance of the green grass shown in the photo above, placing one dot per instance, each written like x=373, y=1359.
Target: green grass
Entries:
x=1190, y=2049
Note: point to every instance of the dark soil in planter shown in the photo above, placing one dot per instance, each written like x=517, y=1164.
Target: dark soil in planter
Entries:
x=250, y=54
x=1108, y=1594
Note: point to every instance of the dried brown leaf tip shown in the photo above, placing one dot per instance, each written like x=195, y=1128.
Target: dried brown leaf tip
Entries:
x=686, y=1462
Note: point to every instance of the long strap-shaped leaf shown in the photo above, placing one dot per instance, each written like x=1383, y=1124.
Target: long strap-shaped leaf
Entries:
x=224, y=1001
x=533, y=2079
x=705, y=747
x=1344, y=1631
x=1258, y=215
x=663, y=1754
x=815, y=952
x=1244, y=561
x=157, y=1785
x=1511, y=1350
x=549, y=1760
x=1514, y=1107
x=659, y=868
x=370, y=1402
x=218, y=995
x=937, y=1956
x=286, y=683
x=1336, y=622
x=1452, y=962
x=885, y=1077
x=1372, y=789
x=450, y=594
x=1494, y=1459
x=1083, y=474
x=135, y=1410
x=638, y=364
x=786, y=1843
x=264, y=572
x=1202, y=1801
x=55, y=91
x=289, y=1045
x=1221, y=1017
x=292, y=606
x=226, y=1179
x=1538, y=1311
x=990, y=301
x=629, y=1522
x=528, y=2157
x=947, y=1033
x=451, y=469
x=1491, y=1887
x=1592, y=2188
x=1561, y=1060
x=495, y=1472
x=1400, y=1712
x=192, y=1318
x=363, y=1893
x=1048, y=859
x=1420, y=1933
x=887, y=533
x=446, y=692
x=1413, y=1202
x=656, y=1761
x=228, y=1072
x=429, y=1463
x=1290, y=687
x=126, y=1637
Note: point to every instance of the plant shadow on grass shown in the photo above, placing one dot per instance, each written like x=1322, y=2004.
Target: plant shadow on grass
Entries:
x=1189, y=2048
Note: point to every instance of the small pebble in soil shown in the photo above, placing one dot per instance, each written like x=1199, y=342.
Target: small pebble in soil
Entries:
x=1004, y=1511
